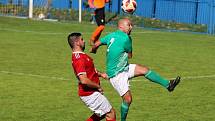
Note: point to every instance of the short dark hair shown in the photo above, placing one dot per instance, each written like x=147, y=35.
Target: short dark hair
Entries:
x=72, y=38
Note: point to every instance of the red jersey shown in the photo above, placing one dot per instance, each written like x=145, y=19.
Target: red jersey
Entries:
x=83, y=64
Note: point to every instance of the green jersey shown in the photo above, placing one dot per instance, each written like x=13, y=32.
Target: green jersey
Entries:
x=118, y=45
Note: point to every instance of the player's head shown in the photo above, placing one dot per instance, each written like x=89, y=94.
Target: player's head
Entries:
x=76, y=41
x=125, y=25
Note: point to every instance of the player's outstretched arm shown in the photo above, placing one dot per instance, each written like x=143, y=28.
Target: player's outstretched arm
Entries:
x=94, y=48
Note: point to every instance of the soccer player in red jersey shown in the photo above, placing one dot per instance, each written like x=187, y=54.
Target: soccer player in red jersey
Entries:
x=99, y=6
x=90, y=91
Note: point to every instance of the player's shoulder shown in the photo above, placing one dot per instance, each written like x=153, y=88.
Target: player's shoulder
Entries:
x=121, y=34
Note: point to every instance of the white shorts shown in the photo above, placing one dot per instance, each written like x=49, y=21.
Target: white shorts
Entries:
x=121, y=81
x=97, y=103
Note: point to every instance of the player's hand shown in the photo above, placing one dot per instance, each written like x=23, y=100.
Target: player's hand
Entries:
x=95, y=46
x=101, y=90
x=107, y=1
x=104, y=76
x=91, y=5
x=93, y=49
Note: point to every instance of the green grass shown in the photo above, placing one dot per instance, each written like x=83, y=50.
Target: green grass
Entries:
x=38, y=84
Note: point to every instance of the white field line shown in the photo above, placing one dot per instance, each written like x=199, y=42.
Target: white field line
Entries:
x=62, y=78
x=34, y=75
x=28, y=31
x=57, y=33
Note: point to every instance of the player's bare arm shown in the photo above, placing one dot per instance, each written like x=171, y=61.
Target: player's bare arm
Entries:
x=90, y=3
x=130, y=55
x=86, y=81
x=94, y=48
x=102, y=74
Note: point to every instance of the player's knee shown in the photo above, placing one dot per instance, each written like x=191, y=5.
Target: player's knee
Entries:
x=111, y=114
x=128, y=99
x=102, y=27
x=141, y=70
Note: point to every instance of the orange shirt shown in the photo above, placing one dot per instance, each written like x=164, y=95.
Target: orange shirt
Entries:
x=99, y=3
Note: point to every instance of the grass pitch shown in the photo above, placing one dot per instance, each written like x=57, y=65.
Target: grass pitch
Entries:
x=38, y=84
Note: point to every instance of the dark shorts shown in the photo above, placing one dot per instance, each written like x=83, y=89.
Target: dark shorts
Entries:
x=100, y=16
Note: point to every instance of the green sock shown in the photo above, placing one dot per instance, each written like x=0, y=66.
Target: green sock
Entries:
x=124, y=111
x=154, y=77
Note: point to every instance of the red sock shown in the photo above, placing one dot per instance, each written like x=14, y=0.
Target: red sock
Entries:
x=94, y=117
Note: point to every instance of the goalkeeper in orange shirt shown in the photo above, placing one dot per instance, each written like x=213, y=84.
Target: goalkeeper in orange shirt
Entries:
x=99, y=6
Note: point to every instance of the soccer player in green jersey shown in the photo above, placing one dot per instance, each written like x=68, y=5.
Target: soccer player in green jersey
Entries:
x=119, y=50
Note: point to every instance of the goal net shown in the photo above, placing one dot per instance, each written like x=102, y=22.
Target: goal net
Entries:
x=14, y=8
x=42, y=9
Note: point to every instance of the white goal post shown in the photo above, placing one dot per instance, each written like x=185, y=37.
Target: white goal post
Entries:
x=80, y=7
x=31, y=4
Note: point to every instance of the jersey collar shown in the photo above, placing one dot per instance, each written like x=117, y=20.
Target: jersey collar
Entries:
x=78, y=52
